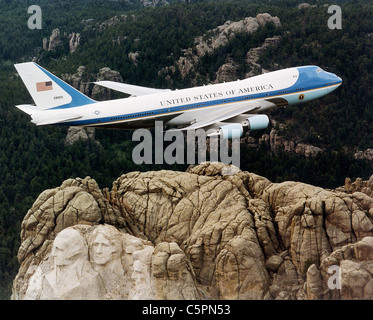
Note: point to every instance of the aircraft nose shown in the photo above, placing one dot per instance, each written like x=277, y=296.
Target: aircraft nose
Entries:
x=336, y=79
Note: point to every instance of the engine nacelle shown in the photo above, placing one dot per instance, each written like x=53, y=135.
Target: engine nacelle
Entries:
x=231, y=131
x=258, y=122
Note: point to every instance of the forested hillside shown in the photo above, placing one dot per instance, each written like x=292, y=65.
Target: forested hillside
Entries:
x=33, y=159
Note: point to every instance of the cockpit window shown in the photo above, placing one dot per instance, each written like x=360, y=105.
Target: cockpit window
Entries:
x=319, y=70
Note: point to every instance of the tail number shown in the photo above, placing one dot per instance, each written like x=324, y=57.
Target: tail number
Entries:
x=58, y=97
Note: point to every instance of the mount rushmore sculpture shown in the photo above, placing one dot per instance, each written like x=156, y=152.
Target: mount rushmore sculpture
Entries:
x=200, y=234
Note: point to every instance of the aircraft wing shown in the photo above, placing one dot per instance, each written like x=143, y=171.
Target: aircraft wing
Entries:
x=129, y=88
x=227, y=113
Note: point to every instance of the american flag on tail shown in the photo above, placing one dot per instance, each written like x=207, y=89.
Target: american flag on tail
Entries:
x=44, y=86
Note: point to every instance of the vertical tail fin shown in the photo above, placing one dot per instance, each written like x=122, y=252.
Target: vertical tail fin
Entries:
x=48, y=91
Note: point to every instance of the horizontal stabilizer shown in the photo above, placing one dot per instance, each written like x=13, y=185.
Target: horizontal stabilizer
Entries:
x=129, y=88
x=59, y=119
x=27, y=108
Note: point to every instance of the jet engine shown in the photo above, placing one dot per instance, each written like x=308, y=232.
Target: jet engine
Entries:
x=231, y=131
x=257, y=122
x=236, y=130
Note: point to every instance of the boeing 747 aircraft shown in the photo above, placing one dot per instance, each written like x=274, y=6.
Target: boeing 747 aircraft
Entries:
x=228, y=109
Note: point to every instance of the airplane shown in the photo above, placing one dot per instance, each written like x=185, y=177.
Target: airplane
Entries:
x=228, y=109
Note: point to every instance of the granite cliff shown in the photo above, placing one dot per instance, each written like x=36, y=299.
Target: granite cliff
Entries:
x=200, y=234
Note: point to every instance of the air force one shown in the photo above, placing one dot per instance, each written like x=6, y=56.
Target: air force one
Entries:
x=228, y=109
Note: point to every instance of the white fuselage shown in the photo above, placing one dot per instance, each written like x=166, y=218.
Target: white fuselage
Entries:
x=185, y=106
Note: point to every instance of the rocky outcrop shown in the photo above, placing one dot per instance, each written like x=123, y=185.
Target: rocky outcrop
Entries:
x=54, y=40
x=115, y=20
x=277, y=143
x=153, y=3
x=217, y=38
x=359, y=185
x=133, y=56
x=306, y=5
x=83, y=81
x=102, y=93
x=227, y=72
x=364, y=155
x=75, y=134
x=74, y=42
x=253, y=55
x=79, y=80
x=45, y=44
x=221, y=35
x=57, y=39
x=200, y=234
x=348, y=269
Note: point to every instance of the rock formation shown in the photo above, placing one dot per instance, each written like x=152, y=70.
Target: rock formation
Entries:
x=75, y=134
x=54, y=40
x=306, y=5
x=79, y=80
x=153, y=3
x=133, y=56
x=253, y=55
x=219, y=37
x=359, y=185
x=277, y=142
x=200, y=234
x=74, y=41
x=227, y=72
x=82, y=81
x=102, y=93
x=112, y=21
x=364, y=155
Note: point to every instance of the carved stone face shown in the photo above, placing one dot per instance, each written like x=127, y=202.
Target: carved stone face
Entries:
x=138, y=274
x=67, y=246
x=60, y=252
x=102, y=250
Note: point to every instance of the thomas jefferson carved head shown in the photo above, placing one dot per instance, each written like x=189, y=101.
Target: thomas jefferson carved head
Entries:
x=106, y=245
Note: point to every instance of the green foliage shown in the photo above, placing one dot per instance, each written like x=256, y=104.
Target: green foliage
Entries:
x=327, y=169
x=33, y=159
x=343, y=118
